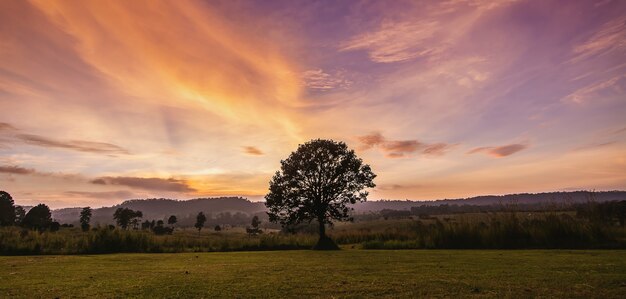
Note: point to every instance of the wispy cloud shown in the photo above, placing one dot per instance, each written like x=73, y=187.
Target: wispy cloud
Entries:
x=155, y=184
x=500, y=151
x=598, y=90
x=317, y=79
x=253, y=151
x=398, y=41
x=609, y=38
x=78, y=145
x=427, y=36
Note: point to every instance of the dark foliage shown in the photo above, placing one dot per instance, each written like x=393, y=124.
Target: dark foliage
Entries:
x=318, y=182
x=85, y=218
x=38, y=218
x=125, y=217
x=200, y=220
x=7, y=209
x=172, y=220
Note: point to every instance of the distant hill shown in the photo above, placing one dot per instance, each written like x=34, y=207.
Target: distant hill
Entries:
x=523, y=198
x=240, y=208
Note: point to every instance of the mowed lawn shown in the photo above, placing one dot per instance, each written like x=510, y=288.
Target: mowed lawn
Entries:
x=346, y=273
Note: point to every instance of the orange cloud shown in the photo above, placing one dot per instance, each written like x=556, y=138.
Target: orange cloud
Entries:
x=401, y=148
x=189, y=57
x=499, y=151
x=251, y=150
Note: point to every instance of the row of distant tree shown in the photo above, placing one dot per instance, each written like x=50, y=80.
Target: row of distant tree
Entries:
x=40, y=218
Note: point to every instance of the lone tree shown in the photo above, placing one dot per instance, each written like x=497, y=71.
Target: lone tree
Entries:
x=38, y=218
x=317, y=182
x=200, y=220
x=172, y=220
x=256, y=222
x=125, y=216
x=7, y=209
x=85, y=218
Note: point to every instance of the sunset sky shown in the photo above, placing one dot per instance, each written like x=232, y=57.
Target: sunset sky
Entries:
x=103, y=101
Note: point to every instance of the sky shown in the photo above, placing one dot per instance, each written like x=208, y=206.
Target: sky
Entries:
x=103, y=101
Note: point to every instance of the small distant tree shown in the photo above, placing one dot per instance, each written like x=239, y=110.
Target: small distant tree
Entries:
x=318, y=182
x=54, y=226
x=159, y=229
x=85, y=218
x=38, y=218
x=124, y=217
x=146, y=225
x=172, y=220
x=19, y=215
x=200, y=220
x=256, y=222
x=7, y=209
x=218, y=228
x=255, y=226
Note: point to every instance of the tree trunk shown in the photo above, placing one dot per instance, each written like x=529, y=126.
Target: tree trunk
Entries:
x=324, y=243
x=322, y=228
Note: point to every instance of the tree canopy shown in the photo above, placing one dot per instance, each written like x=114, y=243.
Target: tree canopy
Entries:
x=39, y=217
x=85, y=218
x=7, y=209
x=200, y=220
x=172, y=220
x=125, y=216
x=318, y=182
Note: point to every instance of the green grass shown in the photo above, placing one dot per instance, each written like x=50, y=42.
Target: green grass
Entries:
x=346, y=273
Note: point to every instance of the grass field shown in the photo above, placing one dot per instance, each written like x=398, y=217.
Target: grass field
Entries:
x=346, y=273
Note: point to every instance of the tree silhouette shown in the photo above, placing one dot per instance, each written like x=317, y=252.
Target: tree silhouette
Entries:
x=85, y=218
x=19, y=215
x=38, y=218
x=255, y=226
x=7, y=209
x=172, y=220
x=200, y=220
x=256, y=222
x=125, y=217
x=317, y=182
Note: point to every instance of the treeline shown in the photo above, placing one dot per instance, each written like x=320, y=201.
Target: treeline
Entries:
x=584, y=225
x=599, y=211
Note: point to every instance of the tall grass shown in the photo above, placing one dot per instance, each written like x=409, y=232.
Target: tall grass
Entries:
x=480, y=230
x=499, y=231
x=16, y=241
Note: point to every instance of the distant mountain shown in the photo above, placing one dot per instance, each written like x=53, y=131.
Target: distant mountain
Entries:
x=523, y=198
x=240, y=208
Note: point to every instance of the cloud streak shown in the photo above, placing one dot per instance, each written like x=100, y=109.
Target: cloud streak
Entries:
x=402, y=148
x=253, y=151
x=499, y=151
x=12, y=169
x=153, y=184
x=77, y=145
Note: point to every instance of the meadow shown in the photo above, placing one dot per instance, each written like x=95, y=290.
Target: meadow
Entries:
x=501, y=230
x=346, y=273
